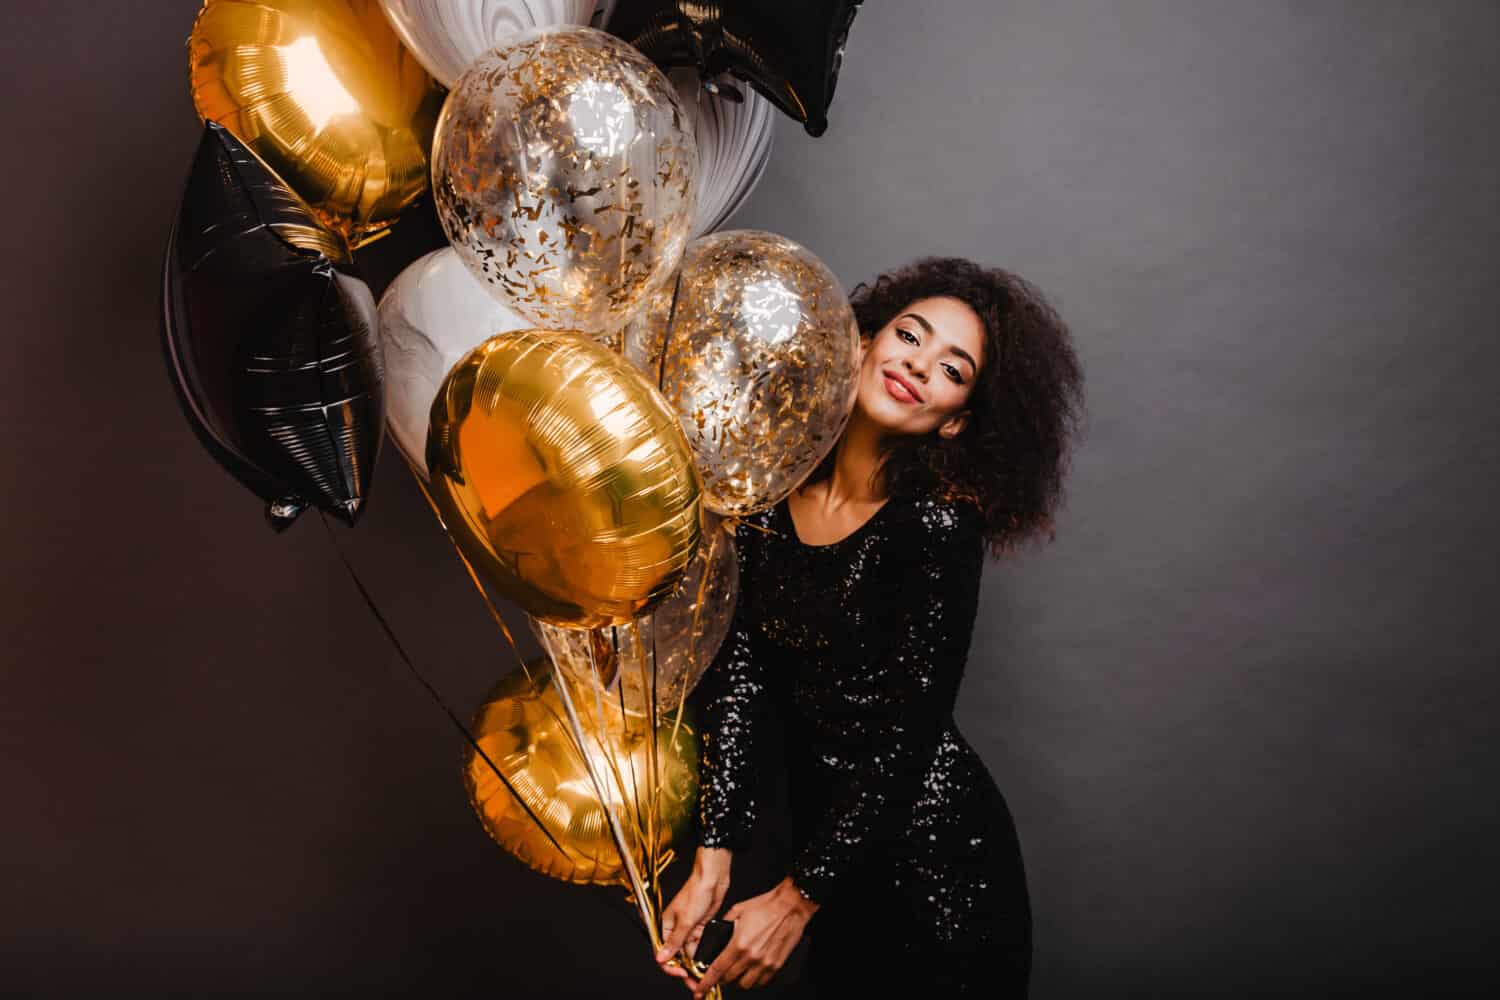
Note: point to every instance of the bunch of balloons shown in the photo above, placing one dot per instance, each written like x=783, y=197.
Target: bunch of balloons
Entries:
x=588, y=383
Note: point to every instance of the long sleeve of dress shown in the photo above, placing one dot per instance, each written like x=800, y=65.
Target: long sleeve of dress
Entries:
x=900, y=718
x=732, y=702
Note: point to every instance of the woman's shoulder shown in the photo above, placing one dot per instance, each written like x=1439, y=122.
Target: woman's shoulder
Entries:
x=941, y=519
x=928, y=534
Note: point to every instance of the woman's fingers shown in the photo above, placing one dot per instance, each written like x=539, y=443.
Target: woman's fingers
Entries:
x=732, y=965
x=676, y=926
x=740, y=970
x=669, y=944
x=715, y=972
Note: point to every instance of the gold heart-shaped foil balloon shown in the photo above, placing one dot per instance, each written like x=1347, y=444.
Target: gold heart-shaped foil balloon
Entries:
x=523, y=731
x=324, y=92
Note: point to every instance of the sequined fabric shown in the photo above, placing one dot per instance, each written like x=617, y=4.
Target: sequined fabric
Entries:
x=852, y=653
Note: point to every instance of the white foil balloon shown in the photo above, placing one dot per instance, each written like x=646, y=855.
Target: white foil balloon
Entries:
x=734, y=146
x=447, y=35
x=433, y=314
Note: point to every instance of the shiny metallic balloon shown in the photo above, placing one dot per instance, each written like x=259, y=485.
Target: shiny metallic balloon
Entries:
x=270, y=337
x=563, y=171
x=563, y=477
x=448, y=35
x=524, y=732
x=756, y=352
x=430, y=317
x=325, y=93
x=665, y=651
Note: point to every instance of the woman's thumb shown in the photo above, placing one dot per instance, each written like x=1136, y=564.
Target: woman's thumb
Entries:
x=671, y=939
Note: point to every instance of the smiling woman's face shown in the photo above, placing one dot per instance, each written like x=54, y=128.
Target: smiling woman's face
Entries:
x=920, y=368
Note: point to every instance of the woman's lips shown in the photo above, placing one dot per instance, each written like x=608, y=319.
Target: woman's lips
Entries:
x=901, y=390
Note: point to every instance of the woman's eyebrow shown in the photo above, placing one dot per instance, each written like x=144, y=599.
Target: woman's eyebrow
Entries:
x=925, y=325
x=956, y=350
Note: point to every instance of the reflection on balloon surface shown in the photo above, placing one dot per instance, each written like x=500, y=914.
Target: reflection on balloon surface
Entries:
x=563, y=171
x=664, y=653
x=652, y=790
x=563, y=477
x=324, y=92
x=755, y=349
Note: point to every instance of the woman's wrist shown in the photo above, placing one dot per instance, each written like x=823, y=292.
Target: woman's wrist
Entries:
x=713, y=862
x=796, y=898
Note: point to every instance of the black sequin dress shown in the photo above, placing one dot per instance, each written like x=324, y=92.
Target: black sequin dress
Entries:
x=852, y=653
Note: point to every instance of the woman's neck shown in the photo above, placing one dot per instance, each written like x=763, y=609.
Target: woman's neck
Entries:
x=857, y=461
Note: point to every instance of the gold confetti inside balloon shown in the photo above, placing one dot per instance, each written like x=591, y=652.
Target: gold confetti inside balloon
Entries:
x=666, y=650
x=563, y=477
x=325, y=93
x=524, y=732
x=758, y=362
x=563, y=169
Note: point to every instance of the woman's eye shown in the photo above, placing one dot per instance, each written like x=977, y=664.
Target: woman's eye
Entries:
x=952, y=373
x=906, y=335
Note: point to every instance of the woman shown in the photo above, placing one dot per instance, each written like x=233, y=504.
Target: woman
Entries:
x=857, y=600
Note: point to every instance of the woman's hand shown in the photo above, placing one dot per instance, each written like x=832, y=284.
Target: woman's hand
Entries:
x=766, y=929
x=694, y=906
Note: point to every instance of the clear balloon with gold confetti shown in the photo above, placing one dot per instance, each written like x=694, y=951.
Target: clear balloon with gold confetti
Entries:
x=755, y=348
x=563, y=171
x=661, y=656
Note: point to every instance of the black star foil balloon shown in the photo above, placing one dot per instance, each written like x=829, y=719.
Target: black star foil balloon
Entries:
x=271, y=339
x=789, y=50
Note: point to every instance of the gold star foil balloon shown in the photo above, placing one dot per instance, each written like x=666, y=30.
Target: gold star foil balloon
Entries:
x=755, y=349
x=324, y=92
x=664, y=653
x=652, y=790
x=563, y=170
x=563, y=477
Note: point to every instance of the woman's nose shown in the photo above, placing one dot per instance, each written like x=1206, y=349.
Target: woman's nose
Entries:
x=916, y=367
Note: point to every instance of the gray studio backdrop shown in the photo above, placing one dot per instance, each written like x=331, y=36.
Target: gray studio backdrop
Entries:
x=1240, y=707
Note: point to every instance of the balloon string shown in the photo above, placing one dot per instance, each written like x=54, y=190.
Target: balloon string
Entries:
x=580, y=750
x=693, y=665
x=574, y=728
x=666, y=337
x=614, y=821
x=649, y=810
x=655, y=759
x=628, y=790
x=432, y=692
x=628, y=798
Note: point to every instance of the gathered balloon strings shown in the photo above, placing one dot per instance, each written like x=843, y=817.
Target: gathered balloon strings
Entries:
x=452, y=716
x=573, y=726
x=432, y=692
x=627, y=856
x=643, y=898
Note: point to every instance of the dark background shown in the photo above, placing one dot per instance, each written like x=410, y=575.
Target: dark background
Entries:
x=1242, y=708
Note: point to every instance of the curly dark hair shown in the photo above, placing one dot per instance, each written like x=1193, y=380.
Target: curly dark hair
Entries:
x=1024, y=412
